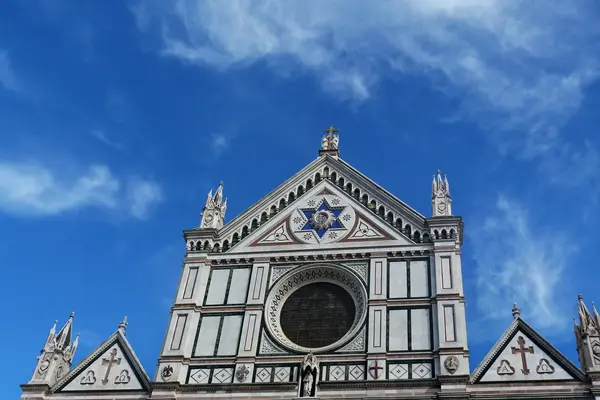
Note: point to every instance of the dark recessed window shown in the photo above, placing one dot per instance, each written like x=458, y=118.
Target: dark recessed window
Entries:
x=317, y=315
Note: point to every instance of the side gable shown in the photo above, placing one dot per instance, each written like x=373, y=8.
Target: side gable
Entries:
x=523, y=355
x=113, y=366
x=372, y=198
x=346, y=224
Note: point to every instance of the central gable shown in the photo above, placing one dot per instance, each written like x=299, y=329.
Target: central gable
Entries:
x=371, y=199
x=321, y=217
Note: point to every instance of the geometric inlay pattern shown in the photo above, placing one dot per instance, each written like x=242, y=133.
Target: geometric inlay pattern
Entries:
x=222, y=375
x=421, y=371
x=398, y=371
x=263, y=374
x=322, y=218
x=199, y=376
x=364, y=231
x=305, y=275
x=282, y=374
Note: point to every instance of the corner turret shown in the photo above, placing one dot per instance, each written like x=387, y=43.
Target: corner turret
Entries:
x=56, y=356
x=213, y=214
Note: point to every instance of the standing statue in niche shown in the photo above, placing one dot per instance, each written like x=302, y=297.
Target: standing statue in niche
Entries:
x=309, y=376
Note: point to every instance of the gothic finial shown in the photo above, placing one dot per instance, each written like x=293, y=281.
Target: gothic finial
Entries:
x=123, y=325
x=440, y=195
x=579, y=297
x=516, y=311
x=63, y=337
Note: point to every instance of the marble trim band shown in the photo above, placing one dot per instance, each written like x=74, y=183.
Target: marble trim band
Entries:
x=305, y=275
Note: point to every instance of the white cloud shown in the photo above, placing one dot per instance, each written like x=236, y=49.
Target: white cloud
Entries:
x=103, y=137
x=30, y=189
x=8, y=80
x=519, y=264
x=517, y=65
x=219, y=143
x=141, y=196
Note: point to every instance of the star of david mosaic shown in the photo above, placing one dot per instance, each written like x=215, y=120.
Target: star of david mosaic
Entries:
x=322, y=218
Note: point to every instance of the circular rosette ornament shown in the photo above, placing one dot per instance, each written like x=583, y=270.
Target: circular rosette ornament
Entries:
x=322, y=218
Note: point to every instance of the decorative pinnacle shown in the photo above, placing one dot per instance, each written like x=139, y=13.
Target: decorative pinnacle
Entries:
x=72, y=315
x=123, y=324
x=516, y=311
x=579, y=297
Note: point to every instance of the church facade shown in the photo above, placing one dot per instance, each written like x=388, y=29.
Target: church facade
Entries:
x=328, y=287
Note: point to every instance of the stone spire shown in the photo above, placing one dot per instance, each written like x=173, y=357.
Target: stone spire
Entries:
x=330, y=142
x=213, y=214
x=441, y=203
x=57, y=355
x=123, y=325
x=587, y=336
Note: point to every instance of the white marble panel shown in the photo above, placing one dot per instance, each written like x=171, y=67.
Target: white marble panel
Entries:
x=398, y=371
x=419, y=282
x=421, y=370
x=398, y=279
x=250, y=333
x=238, y=288
x=199, y=375
x=218, y=286
x=258, y=283
x=190, y=282
x=378, y=278
x=398, y=330
x=377, y=329
x=178, y=331
x=207, y=337
x=446, y=271
x=420, y=329
x=230, y=335
x=449, y=325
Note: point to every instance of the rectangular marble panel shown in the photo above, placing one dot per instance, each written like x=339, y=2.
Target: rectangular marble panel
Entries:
x=378, y=278
x=398, y=330
x=218, y=286
x=419, y=282
x=180, y=323
x=399, y=371
x=230, y=335
x=446, y=271
x=449, y=326
x=238, y=288
x=207, y=337
x=377, y=329
x=190, y=283
x=258, y=283
x=398, y=279
x=199, y=376
x=420, y=330
x=250, y=331
x=421, y=370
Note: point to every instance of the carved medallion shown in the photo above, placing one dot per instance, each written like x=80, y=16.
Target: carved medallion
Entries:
x=596, y=349
x=544, y=367
x=505, y=368
x=88, y=379
x=323, y=218
x=242, y=373
x=44, y=365
x=60, y=371
x=123, y=378
x=375, y=369
x=167, y=372
x=451, y=364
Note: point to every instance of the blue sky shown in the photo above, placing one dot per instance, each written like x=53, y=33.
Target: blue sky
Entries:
x=116, y=118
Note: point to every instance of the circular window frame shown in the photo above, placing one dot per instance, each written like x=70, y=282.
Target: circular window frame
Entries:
x=303, y=276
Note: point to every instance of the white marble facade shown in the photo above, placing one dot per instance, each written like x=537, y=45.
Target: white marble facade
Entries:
x=327, y=224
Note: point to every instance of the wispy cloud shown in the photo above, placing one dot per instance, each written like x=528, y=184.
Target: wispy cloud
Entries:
x=8, y=79
x=103, y=137
x=142, y=195
x=521, y=262
x=517, y=66
x=219, y=143
x=30, y=189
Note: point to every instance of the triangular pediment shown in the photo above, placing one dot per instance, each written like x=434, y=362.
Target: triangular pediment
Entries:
x=325, y=216
x=113, y=366
x=370, y=198
x=523, y=355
